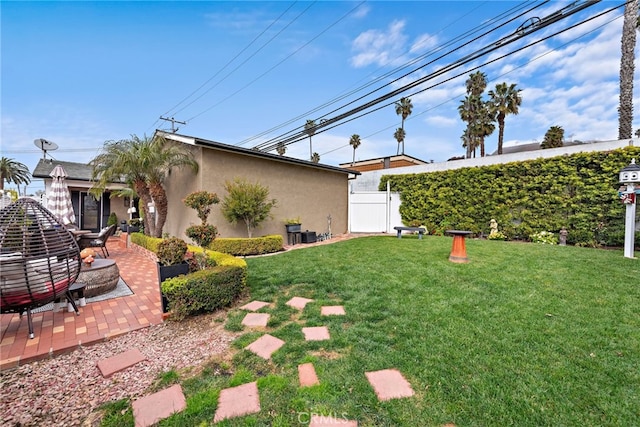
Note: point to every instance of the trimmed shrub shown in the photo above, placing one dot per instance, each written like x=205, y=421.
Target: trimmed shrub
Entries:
x=578, y=192
x=204, y=290
x=245, y=246
x=147, y=242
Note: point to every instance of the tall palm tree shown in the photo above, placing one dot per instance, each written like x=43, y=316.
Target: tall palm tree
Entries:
x=404, y=109
x=355, y=143
x=476, y=83
x=281, y=148
x=627, y=68
x=504, y=100
x=144, y=162
x=315, y=157
x=399, y=135
x=310, y=129
x=476, y=112
x=13, y=171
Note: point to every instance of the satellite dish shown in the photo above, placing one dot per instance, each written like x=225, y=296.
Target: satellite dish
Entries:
x=45, y=146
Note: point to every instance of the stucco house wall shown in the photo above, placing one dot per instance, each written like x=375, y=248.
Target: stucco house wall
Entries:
x=302, y=189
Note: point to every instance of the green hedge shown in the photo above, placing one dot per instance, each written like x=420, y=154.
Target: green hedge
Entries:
x=579, y=192
x=203, y=291
x=246, y=246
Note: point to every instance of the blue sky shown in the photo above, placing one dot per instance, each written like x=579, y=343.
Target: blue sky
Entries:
x=82, y=73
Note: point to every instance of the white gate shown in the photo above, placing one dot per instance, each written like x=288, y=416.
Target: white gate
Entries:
x=374, y=211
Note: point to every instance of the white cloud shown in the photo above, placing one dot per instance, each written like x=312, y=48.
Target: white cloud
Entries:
x=380, y=47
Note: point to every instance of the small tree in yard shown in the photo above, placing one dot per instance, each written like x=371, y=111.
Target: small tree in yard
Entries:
x=247, y=202
x=201, y=201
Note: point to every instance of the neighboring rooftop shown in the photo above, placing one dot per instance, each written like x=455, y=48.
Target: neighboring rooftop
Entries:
x=75, y=171
x=388, y=162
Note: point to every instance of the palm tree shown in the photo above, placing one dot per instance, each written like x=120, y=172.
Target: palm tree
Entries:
x=13, y=171
x=310, y=129
x=404, y=109
x=627, y=67
x=476, y=112
x=553, y=138
x=503, y=101
x=144, y=162
x=281, y=148
x=355, y=143
x=399, y=135
x=476, y=83
x=315, y=157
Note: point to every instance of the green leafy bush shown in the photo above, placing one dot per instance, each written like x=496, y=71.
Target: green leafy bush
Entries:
x=171, y=251
x=578, y=192
x=113, y=219
x=202, y=234
x=204, y=291
x=252, y=246
x=497, y=235
x=544, y=237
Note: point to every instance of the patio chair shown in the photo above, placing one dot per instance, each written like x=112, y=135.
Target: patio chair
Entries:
x=97, y=240
x=39, y=259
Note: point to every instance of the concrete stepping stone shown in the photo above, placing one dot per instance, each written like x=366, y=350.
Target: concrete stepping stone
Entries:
x=307, y=375
x=237, y=401
x=389, y=384
x=265, y=346
x=120, y=362
x=298, y=302
x=332, y=310
x=256, y=319
x=254, y=305
x=327, y=421
x=316, y=333
x=148, y=410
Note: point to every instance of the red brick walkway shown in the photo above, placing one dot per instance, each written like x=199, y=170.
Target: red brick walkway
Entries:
x=61, y=332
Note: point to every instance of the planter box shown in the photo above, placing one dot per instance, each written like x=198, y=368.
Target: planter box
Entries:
x=308, y=236
x=293, y=228
x=167, y=272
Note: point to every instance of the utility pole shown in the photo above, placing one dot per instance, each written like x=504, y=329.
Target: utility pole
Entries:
x=173, y=123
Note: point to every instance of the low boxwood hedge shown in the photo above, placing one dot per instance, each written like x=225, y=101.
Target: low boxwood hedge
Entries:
x=204, y=290
x=246, y=246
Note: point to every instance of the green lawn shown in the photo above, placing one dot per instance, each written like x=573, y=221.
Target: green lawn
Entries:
x=524, y=334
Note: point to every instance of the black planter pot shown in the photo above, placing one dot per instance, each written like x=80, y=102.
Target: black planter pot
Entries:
x=167, y=272
x=293, y=228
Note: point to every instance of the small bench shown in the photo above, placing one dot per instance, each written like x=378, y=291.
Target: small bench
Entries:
x=420, y=231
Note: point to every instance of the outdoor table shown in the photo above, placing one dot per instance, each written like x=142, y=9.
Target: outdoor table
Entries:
x=458, y=251
x=101, y=277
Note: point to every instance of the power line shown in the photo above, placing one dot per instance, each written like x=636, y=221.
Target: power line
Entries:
x=414, y=116
x=555, y=17
x=229, y=63
x=270, y=144
x=385, y=75
x=280, y=62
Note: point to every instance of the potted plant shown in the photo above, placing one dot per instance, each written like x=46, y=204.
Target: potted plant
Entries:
x=293, y=225
x=134, y=225
x=171, y=262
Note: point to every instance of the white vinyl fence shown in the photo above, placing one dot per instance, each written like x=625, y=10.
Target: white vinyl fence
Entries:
x=374, y=211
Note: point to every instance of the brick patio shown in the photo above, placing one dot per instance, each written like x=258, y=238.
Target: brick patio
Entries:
x=61, y=332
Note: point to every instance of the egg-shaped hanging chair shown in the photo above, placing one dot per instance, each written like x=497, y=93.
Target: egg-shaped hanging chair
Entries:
x=39, y=259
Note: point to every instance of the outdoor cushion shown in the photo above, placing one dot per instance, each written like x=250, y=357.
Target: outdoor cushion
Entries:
x=23, y=298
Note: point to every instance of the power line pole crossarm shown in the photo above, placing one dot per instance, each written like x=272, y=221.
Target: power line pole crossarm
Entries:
x=173, y=123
